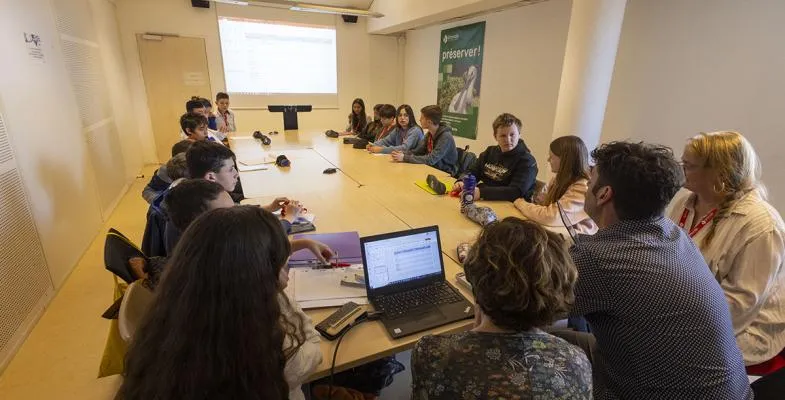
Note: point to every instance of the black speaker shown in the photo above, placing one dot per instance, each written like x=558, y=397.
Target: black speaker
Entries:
x=200, y=3
x=349, y=19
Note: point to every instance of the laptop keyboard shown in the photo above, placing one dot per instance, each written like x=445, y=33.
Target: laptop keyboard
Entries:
x=398, y=304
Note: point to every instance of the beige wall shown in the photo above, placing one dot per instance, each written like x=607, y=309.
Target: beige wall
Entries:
x=524, y=50
x=689, y=66
x=42, y=117
x=368, y=65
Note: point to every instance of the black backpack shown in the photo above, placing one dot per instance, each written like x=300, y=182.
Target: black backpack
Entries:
x=465, y=161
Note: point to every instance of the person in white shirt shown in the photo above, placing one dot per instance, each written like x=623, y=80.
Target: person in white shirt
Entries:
x=569, y=161
x=742, y=238
x=225, y=116
x=220, y=325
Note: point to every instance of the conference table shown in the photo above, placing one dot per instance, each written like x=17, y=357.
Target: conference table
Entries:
x=369, y=194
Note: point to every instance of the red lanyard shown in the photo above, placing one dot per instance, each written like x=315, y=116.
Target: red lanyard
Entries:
x=384, y=132
x=703, y=222
x=226, y=118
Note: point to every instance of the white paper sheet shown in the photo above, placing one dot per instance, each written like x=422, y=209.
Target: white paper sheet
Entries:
x=314, y=288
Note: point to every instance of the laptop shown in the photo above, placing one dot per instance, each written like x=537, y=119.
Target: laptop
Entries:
x=404, y=279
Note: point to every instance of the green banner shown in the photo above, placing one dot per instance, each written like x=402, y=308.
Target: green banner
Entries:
x=460, y=70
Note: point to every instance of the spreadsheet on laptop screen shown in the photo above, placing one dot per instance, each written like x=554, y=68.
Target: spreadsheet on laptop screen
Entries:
x=401, y=259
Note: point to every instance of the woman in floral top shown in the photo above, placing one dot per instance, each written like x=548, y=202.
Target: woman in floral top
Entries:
x=522, y=278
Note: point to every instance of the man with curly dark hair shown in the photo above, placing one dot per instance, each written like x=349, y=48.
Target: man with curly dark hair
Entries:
x=661, y=323
x=522, y=278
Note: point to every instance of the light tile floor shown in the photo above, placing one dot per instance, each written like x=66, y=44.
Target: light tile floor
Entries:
x=60, y=358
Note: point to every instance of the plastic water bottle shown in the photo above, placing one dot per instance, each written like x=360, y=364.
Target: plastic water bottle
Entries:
x=467, y=195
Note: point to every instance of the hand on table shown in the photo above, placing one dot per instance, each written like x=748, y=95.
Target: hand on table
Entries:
x=539, y=197
x=292, y=210
x=374, y=149
x=397, y=156
x=322, y=252
x=458, y=188
x=278, y=204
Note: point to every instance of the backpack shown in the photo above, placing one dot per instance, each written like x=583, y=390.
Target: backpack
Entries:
x=465, y=161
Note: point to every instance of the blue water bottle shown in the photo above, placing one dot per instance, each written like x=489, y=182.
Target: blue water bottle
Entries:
x=212, y=123
x=467, y=195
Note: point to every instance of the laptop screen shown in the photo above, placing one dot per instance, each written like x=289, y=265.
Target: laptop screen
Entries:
x=402, y=257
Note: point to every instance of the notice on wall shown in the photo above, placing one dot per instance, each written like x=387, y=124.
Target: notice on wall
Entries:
x=35, y=49
x=460, y=70
x=194, y=79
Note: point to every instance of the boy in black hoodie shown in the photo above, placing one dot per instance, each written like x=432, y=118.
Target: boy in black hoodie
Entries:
x=507, y=171
x=438, y=149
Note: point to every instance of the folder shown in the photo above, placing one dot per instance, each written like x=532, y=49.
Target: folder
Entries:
x=345, y=245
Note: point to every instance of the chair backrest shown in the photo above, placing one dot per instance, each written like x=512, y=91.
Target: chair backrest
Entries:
x=117, y=250
x=465, y=161
x=136, y=302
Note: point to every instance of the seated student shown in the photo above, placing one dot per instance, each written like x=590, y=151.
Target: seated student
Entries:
x=742, y=239
x=358, y=119
x=198, y=125
x=212, y=121
x=660, y=319
x=195, y=106
x=405, y=136
x=569, y=160
x=211, y=161
x=438, y=149
x=163, y=177
x=181, y=147
x=198, y=105
x=387, y=121
x=225, y=115
x=522, y=279
x=191, y=198
x=220, y=325
x=508, y=170
x=374, y=127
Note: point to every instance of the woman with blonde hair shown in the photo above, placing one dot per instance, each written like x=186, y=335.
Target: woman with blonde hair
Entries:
x=741, y=236
x=569, y=160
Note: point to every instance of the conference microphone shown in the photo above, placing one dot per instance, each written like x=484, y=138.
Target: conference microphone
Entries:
x=282, y=161
x=264, y=138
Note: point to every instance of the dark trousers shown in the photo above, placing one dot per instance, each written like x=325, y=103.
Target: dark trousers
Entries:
x=770, y=387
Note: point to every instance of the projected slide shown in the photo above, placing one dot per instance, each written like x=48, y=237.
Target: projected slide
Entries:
x=269, y=58
x=402, y=259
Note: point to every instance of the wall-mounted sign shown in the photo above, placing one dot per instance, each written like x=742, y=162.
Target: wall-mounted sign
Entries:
x=35, y=47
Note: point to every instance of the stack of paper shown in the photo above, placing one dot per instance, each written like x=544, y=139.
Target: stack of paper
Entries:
x=316, y=288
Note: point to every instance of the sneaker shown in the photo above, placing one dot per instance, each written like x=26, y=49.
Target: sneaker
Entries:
x=463, y=251
x=435, y=184
x=480, y=215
